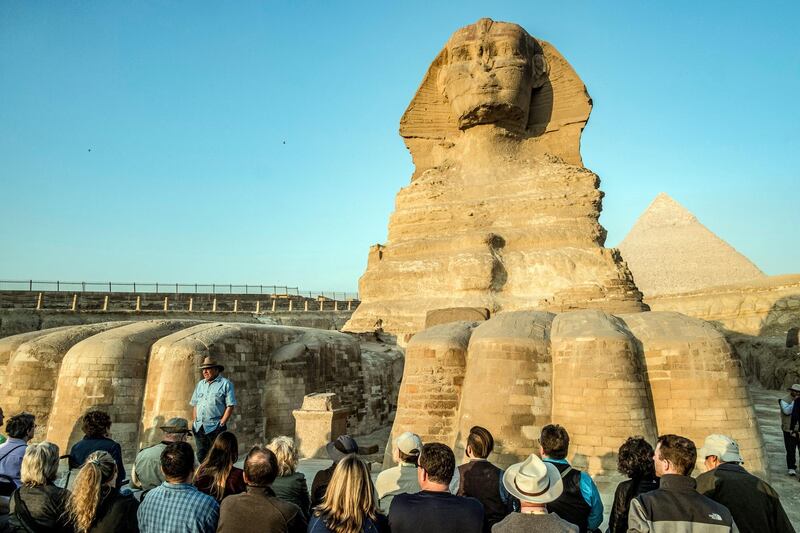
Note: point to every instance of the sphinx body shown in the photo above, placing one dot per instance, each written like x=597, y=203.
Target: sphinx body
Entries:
x=500, y=213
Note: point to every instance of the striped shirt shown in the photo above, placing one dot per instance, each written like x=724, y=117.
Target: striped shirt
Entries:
x=178, y=508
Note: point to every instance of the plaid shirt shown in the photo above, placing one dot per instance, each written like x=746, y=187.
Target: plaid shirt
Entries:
x=178, y=508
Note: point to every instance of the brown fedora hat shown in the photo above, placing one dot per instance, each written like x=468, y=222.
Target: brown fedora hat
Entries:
x=210, y=362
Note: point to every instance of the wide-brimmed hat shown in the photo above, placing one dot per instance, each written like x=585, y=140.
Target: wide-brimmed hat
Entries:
x=210, y=362
x=794, y=388
x=725, y=448
x=176, y=425
x=533, y=480
x=340, y=448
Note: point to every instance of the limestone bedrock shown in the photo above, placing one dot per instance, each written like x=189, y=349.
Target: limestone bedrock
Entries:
x=500, y=213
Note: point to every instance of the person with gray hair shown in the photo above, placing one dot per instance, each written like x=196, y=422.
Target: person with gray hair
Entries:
x=289, y=485
x=38, y=505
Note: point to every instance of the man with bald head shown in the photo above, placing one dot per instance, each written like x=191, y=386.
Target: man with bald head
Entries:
x=259, y=509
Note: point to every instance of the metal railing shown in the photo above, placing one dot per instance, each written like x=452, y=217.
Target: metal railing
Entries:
x=166, y=288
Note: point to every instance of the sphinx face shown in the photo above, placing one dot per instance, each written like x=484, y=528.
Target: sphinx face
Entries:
x=488, y=76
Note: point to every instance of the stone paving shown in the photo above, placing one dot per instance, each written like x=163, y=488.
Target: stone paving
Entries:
x=765, y=402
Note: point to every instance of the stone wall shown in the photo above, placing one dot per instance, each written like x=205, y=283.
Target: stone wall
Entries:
x=603, y=377
x=31, y=375
x=176, y=301
x=144, y=373
x=767, y=306
x=15, y=321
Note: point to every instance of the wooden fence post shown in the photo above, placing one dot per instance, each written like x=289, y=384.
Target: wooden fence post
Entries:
x=105, y=303
x=39, y=301
x=74, y=302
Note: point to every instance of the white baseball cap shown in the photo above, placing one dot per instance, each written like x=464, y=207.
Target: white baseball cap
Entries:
x=408, y=443
x=724, y=447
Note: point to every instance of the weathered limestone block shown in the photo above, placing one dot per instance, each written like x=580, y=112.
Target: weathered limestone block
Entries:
x=319, y=421
x=433, y=376
x=33, y=368
x=508, y=383
x=599, y=388
x=107, y=371
x=9, y=345
x=603, y=377
x=272, y=369
x=434, y=317
x=768, y=306
x=500, y=213
x=696, y=382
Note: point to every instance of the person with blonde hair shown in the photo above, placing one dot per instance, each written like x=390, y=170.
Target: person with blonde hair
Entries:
x=290, y=485
x=96, y=505
x=38, y=505
x=350, y=504
x=217, y=476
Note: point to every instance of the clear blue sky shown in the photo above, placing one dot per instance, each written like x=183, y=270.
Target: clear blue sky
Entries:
x=186, y=107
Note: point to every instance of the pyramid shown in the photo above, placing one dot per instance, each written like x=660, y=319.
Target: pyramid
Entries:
x=669, y=251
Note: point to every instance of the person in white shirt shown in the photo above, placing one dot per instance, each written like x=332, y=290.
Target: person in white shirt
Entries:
x=402, y=478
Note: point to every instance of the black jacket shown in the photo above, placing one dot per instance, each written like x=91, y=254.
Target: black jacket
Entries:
x=115, y=513
x=626, y=491
x=754, y=504
x=293, y=489
x=320, y=485
x=45, y=504
x=677, y=506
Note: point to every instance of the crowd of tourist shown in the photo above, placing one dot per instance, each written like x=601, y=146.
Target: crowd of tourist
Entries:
x=175, y=488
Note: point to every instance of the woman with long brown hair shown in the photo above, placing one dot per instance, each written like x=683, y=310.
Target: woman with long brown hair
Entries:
x=217, y=476
x=96, y=505
x=350, y=505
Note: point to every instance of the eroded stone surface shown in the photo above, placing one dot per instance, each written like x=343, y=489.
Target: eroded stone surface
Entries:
x=144, y=373
x=603, y=377
x=500, y=213
x=767, y=306
x=33, y=370
x=669, y=251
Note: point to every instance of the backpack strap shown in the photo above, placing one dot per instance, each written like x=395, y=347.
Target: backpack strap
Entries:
x=11, y=450
x=565, y=472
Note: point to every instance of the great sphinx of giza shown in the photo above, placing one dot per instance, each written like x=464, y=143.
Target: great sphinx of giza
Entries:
x=500, y=214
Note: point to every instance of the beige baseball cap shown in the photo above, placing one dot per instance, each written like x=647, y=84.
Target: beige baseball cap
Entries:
x=794, y=388
x=724, y=447
x=408, y=443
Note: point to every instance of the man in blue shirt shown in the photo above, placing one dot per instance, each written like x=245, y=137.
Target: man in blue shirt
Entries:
x=20, y=430
x=580, y=502
x=213, y=402
x=176, y=506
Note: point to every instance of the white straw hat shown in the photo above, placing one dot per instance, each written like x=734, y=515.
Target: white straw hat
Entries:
x=533, y=480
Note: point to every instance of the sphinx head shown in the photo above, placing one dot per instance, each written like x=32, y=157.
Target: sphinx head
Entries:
x=489, y=72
